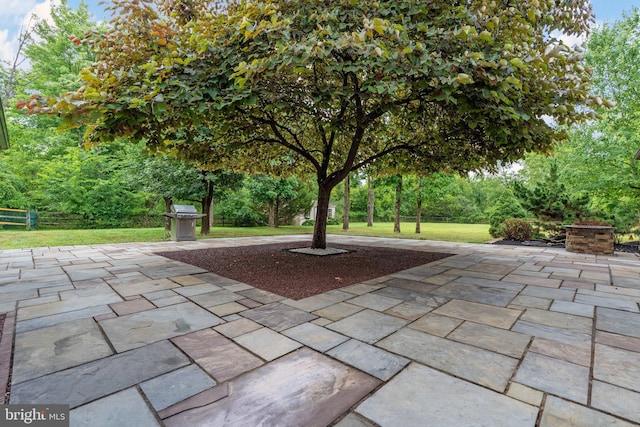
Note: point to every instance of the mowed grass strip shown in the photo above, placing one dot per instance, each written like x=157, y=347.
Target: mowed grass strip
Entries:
x=18, y=239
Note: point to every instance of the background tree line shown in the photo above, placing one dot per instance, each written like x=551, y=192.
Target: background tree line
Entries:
x=592, y=175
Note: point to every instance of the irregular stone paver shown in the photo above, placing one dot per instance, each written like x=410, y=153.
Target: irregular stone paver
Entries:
x=618, y=322
x=409, y=310
x=494, y=339
x=267, y=344
x=607, y=302
x=474, y=364
x=558, y=320
x=106, y=376
x=304, y=388
x=352, y=420
x=369, y=359
x=562, y=413
x=442, y=401
x=617, y=366
x=480, y=313
x=132, y=306
x=143, y=287
x=126, y=407
x=227, y=309
x=46, y=350
x=237, y=327
x=616, y=400
x=64, y=306
x=189, y=291
x=549, y=293
x=211, y=299
x=172, y=300
x=138, y=329
x=368, y=325
x=56, y=319
x=278, y=316
x=620, y=341
x=375, y=302
x=412, y=285
x=338, y=311
x=261, y=296
x=317, y=302
x=553, y=333
x=436, y=324
x=555, y=376
x=314, y=336
x=476, y=293
x=562, y=351
x=176, y=386
x=525, y=394
x=220, y=357
x=573, y=308
x=408, y=295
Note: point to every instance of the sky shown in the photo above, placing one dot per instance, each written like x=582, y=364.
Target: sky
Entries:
x=15, y=14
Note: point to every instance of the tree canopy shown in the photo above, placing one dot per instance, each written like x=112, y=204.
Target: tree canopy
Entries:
x=325, y=88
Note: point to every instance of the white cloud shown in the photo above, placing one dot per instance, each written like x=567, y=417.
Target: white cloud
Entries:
x=18, y=16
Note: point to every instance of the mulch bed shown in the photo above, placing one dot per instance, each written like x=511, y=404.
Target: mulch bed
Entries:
x=273, y=268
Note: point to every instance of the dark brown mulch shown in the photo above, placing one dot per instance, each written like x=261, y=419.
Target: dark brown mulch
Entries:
x=273, y=268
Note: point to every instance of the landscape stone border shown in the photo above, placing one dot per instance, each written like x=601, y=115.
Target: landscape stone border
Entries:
x=6, y=353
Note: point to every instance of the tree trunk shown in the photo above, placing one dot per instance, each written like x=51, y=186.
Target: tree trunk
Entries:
x=205, y=229
x=419, y=210
x=213, y=202
x=396, y=216
x=370, y=202
x=272, y=214
x=347, y=203
x=319, y=240
x=168, y=201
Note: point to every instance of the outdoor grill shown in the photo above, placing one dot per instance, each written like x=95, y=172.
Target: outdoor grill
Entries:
x=183, y=222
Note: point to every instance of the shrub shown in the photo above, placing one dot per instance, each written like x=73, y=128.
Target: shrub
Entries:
x=515, y=229
x=309, y=223
x=507, y=206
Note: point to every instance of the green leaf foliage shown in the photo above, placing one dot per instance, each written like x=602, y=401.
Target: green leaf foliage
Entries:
x=326, y=88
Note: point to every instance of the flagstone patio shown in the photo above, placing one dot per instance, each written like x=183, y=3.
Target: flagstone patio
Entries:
x=492, y=336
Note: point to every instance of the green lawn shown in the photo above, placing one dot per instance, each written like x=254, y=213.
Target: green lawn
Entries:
x=473, y=233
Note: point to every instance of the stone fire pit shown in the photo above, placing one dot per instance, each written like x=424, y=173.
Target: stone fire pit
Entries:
x=590, y=239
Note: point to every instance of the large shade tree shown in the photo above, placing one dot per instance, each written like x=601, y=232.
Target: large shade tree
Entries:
x=308, y=86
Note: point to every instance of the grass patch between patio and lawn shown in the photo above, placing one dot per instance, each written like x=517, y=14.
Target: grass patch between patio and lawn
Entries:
x=17, y=239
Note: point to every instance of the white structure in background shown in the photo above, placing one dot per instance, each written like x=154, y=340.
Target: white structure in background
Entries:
x=311, y=215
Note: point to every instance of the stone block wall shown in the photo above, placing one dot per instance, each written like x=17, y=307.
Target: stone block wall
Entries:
x=590, y=239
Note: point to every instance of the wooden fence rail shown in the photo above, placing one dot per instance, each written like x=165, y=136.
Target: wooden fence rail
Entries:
x=19, y=217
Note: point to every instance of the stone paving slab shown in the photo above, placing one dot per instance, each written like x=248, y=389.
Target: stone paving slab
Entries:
x=108, y=375
x=267, y=344
x=314, y=336
x=278, y=316
x=498, y=340
x=56, y=319
x=304, y=388
x=54, y=348
x=176, y=386
x=421, y=396
x=138, y=329
x=562, y=413
x=368, y=325
x=616, y=400
x=480, y=313
x=555, y=376
x=372, y=360
x=126, y=407
x=618, y=322
x=486, y=368
x=617, y=366
x=218, y=356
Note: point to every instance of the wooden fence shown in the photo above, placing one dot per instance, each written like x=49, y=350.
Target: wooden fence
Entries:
x=16, y=217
